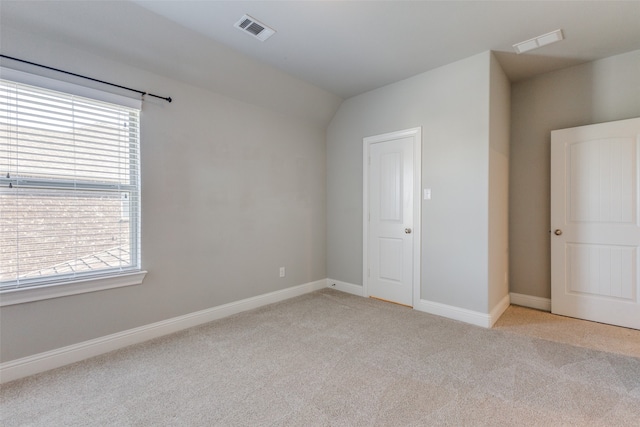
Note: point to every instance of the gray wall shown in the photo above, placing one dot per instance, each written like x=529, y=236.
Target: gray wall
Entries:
x=231, y=191
x=451, y=104
x=499, y=124
x=600, y=91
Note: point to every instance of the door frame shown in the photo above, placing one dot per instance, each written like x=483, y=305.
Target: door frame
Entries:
x=416, y=135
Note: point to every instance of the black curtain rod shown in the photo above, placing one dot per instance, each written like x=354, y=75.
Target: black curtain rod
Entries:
x=141, y=92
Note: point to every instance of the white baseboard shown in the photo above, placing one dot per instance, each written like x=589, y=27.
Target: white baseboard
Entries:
x=349, y=288
x=538, y=303
x=462, y=314
x=41, y=362
x=451, y=312
x=499, y=309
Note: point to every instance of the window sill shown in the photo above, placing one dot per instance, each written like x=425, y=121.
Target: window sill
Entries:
x=57, y=290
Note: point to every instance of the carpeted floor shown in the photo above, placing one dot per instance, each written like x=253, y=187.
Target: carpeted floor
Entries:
x=581, y=333
x=330, y=358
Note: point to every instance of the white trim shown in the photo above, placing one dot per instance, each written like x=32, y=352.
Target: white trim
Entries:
x=530, y=301
x=365, y=217
x=462, y=314
x=41, y=362
x=349, y=288
x=70, y=88
x=499, y=309
x=417, y=212
x=456, y=313
x=63, y=289
x=416, y=134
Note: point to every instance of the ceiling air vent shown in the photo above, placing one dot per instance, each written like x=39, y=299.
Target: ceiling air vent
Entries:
x=536, y=42
x=255, y=28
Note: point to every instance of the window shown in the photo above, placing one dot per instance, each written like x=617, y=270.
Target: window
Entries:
x=69, y=190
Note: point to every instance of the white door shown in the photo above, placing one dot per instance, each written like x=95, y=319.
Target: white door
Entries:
x=595, y=222
x=391, y=216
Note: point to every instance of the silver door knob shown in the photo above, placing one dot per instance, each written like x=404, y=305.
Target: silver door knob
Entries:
x=407, y=230
x=558, y=232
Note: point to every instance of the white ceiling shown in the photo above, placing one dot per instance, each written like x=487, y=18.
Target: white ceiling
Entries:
x=349, y=47
x=344, y=47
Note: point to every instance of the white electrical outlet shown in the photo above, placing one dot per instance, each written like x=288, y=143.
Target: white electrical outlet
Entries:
x=282, y=272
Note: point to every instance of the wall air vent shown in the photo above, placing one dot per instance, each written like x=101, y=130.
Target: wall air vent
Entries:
x=254, y=28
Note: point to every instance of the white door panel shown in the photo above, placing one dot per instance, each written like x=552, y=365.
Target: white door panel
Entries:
x=390, y=253
x=595, y=222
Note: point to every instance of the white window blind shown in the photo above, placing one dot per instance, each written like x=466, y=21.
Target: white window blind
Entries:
x=69, y=187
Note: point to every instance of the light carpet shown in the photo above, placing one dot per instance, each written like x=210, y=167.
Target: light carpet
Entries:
x=581, y=333
x=334, y=359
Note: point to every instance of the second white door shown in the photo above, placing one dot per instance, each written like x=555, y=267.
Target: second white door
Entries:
x=390, y=218
x=595, y=219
